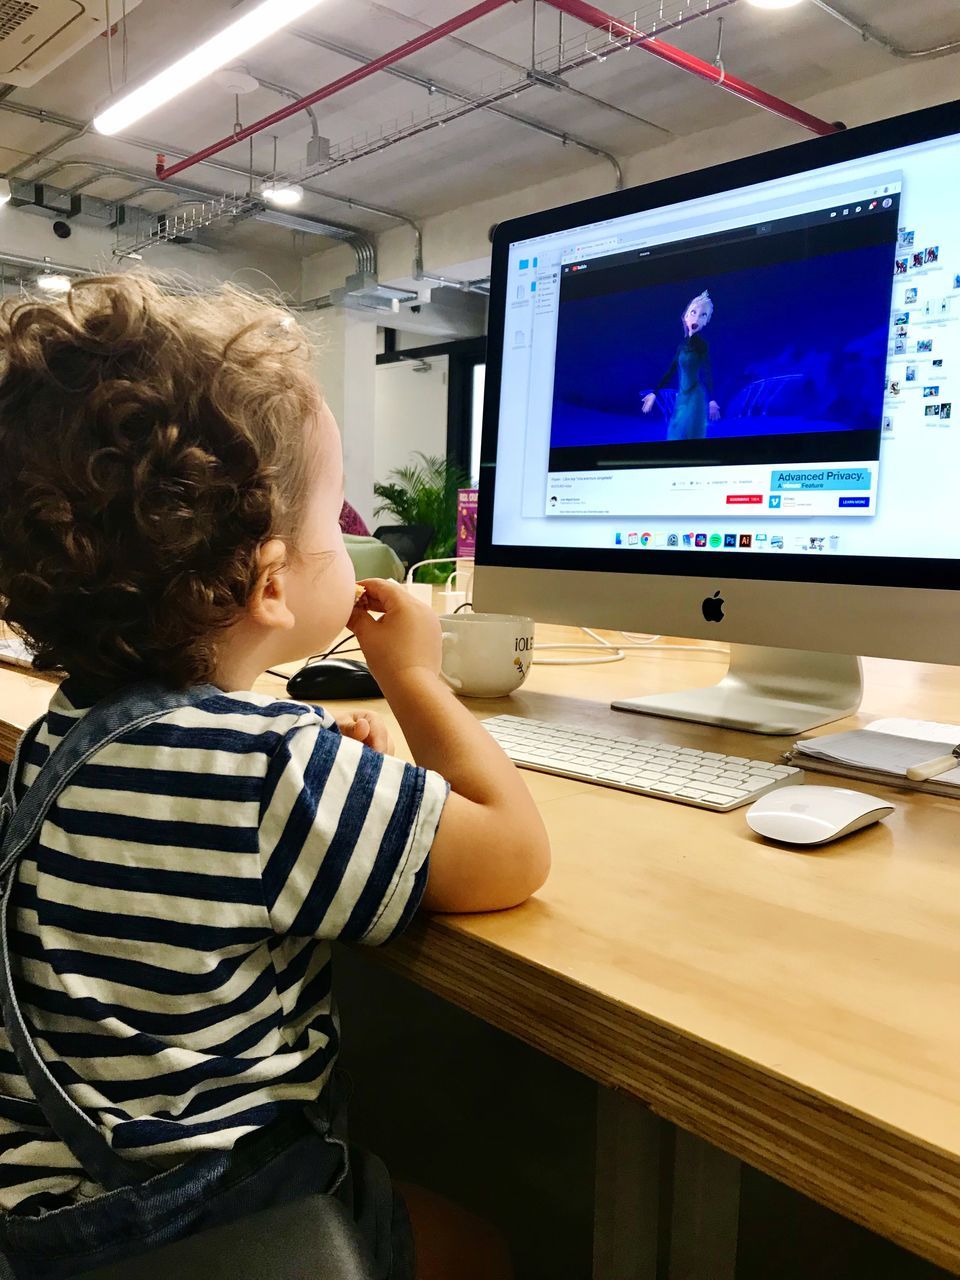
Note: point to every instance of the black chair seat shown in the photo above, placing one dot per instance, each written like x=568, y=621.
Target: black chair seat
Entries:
x=409, y=541
x=311, y=1239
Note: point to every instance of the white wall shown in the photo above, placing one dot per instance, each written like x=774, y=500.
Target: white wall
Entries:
x=461, y=235
x=410, y=415
x=345, y=345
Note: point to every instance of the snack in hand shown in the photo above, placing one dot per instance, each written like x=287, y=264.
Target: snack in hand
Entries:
x=359, y=591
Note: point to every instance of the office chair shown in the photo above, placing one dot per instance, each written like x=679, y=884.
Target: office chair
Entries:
x=303, y=1240
x=409, y=541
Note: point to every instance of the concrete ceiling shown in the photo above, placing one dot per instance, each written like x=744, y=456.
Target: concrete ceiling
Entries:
x=794, y=54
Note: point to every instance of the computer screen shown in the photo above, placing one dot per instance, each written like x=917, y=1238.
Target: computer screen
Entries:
x=765, y=373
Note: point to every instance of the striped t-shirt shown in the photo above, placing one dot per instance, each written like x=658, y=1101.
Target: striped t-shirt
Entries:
x=174, y=920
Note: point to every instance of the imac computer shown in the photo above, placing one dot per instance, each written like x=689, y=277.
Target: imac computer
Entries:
x=726, y=405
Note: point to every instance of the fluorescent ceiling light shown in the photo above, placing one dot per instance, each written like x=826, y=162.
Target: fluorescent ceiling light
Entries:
x=773, y=4
x=51, y=282
x=283, y=194
x=223, y=48
x=4, y=191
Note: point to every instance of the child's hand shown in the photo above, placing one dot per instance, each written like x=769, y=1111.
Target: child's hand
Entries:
x=367, y=727
x=406, y=638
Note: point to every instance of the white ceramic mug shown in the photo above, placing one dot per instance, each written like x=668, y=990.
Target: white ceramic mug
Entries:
x=486, y=655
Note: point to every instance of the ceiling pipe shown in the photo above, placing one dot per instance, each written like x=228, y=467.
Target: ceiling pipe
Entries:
x=866, y=32
x=313, y=304
x=364, y=249
x=76, y=131
x=149, y=144
x=485, y=103
x=503, y=61
x=145, y=187
x=293, y=96
x=335, y=230
x=41, y=264
x=429, y=123
x=631, y=35
x=385, y=60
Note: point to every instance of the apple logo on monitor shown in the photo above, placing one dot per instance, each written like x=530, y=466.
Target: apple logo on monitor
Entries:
x=713, y=607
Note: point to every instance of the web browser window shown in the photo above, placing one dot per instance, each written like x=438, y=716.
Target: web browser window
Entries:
x=761, y=370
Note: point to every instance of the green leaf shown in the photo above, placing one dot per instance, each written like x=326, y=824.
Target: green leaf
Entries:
x=425, y=492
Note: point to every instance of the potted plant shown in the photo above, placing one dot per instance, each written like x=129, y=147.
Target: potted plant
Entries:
x=425, y=492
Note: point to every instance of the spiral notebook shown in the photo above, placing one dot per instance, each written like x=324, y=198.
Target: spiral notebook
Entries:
x=883, y=752
x=14, y=651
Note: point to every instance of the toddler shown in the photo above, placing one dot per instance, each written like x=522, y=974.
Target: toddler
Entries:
x=170, y=492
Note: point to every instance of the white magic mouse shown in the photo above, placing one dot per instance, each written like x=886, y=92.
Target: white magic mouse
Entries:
x=814, y=815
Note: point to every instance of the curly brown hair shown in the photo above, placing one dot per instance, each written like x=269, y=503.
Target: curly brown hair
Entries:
x=150, y=442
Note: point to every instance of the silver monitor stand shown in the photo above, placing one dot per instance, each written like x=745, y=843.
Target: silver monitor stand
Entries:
x=782, y=691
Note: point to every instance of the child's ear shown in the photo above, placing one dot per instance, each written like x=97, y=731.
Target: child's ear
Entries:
x=268, y=604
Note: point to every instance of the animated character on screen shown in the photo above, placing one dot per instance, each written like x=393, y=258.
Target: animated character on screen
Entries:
x=692, y=409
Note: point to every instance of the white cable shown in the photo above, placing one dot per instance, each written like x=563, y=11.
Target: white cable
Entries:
x=617, y=656
x=616, y=652
x=650, y=643
x=420, y=563
x=693, y=648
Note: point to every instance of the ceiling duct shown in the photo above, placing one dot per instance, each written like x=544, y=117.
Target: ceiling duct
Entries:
x=450, y=312
x=49, y=202
x=55, y=204
x=183, y=224
x=363, y=292
x=38, y=35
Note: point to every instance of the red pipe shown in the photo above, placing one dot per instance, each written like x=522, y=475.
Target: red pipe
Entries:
x=594, y=17
x=352, y=77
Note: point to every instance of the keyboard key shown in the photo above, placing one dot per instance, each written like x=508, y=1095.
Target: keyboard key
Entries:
x=756, y=781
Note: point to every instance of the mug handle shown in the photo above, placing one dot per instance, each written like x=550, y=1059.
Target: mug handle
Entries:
x=450, y=640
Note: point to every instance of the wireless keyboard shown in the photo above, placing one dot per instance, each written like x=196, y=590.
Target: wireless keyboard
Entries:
x=707, y=779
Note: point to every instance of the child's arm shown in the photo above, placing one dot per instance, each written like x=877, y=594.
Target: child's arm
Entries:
x=491, y=849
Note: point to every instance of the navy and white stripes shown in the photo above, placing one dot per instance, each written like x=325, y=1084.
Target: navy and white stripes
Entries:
x=174, y=921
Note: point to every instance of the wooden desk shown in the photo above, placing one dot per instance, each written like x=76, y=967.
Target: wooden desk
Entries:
x=799, y=1011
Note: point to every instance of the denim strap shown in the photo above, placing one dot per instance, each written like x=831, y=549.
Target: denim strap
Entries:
x=19, y=825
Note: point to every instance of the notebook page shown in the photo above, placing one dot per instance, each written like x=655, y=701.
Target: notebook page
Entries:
x=883, y=752
x=949, y=734
x=12, y=649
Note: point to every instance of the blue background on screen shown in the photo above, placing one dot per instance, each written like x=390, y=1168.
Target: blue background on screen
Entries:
x=795, y=347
